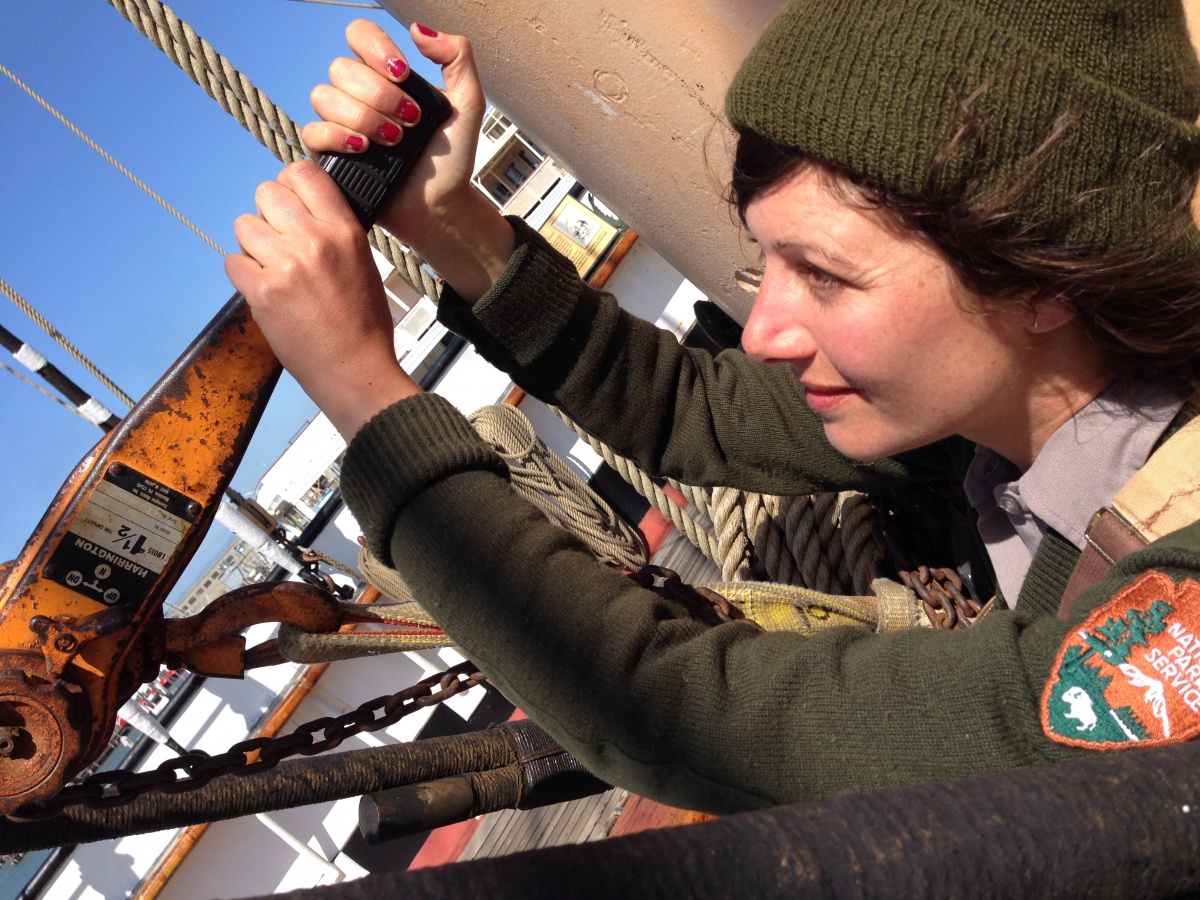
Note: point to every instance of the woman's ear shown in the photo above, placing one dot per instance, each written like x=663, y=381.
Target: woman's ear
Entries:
x=1048, y=315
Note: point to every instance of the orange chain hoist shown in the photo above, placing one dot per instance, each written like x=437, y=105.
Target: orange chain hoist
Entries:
x=81, y=620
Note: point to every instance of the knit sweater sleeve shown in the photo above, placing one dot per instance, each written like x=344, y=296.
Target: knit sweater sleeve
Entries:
x=714, y=718
x=675, y=412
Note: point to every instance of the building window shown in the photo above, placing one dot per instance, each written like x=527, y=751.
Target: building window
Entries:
x=495, y=125
x=508, y=169
x=498, y=189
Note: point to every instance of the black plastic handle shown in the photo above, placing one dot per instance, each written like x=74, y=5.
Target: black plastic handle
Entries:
x=369, y=179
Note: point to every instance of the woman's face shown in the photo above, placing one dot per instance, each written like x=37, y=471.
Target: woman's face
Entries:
x=892, y=351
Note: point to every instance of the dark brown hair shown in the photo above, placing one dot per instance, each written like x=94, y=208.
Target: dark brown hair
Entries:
x=1138, y=303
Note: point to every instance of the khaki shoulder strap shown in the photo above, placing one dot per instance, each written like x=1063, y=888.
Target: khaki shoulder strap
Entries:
x=1161, y=497
x=1164, y=495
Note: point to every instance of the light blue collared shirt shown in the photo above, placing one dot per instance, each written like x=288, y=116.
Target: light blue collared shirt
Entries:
x=1079, y=470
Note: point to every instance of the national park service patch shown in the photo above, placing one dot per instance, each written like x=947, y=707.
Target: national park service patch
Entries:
x=1131, y=672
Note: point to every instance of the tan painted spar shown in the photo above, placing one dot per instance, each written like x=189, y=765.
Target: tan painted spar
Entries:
x=629, y=98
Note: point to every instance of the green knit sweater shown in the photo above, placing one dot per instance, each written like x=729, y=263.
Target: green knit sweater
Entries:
x=713, y=718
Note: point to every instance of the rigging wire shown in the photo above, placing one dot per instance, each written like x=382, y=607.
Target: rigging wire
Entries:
x=26, y=307
x=109, y=158
x=342, y=3
x=87, y=406
x=37, y=387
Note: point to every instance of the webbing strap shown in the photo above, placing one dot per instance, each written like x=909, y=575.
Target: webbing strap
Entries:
x=1164, y=495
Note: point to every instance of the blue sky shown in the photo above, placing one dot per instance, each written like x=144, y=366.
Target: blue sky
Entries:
x=120, y=277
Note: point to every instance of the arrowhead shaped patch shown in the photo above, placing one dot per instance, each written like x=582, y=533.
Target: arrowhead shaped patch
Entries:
x=1130, y=674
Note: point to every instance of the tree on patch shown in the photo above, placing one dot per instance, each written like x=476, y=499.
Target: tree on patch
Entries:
x=1132, y=722
x=1077, y=670
x=1117, y=636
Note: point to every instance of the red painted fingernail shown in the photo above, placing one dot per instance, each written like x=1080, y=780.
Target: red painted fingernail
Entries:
x=426, y=30
x=397, y=67
x=409, y=112
x=389, y=132
x=354, y=142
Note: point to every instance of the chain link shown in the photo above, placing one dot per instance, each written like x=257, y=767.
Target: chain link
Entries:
x=702, y=603
x=119, y=786
x=941, y=593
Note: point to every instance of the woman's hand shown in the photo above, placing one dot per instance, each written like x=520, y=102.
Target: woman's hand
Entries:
x=437, y=211
x=307, y=272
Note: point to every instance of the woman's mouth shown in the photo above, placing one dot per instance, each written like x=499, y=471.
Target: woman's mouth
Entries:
x=825, y=399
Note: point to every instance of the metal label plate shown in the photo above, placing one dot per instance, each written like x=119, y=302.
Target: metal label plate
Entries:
x=122, y=539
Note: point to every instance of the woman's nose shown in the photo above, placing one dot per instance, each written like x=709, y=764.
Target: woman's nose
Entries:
x=775, y=330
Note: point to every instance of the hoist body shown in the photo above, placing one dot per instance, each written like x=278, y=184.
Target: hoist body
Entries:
x=81, y=618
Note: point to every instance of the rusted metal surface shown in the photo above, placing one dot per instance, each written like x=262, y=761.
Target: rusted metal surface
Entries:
x=80, y=608
x=35, y=714
x=195, y=771
x=210, y=643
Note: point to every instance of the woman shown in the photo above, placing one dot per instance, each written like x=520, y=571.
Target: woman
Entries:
x=978, y=267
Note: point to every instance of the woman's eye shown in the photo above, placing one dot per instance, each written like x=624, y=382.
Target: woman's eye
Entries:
x=820, y=277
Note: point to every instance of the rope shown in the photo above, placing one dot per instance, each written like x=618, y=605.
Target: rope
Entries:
x=113, y=162
x=541, y=477
x=645, y=486
x=25, y=307
x=308, y=554
x=252, y=109
x=536, y=474
x=233, y=92
x=38, y=387
x=823, y=542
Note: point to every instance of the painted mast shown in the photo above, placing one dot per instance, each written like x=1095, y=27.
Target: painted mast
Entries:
x=629, y=98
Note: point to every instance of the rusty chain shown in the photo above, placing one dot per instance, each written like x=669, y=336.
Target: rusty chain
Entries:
x=119, y=786
x=702, y=603
x=941, y=593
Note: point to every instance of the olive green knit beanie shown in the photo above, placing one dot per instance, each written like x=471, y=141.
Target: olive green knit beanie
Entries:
x=876, y=87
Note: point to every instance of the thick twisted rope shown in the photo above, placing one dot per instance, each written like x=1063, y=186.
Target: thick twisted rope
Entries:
x=535, y=473
x=252, y=109
x=823, y=542
x=564, y=497
x=698, y=534
x=25, y=307
x=235, y=94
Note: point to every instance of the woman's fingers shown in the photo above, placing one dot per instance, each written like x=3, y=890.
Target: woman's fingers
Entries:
x=376, y=49
x=299, y=211
x=454, y=54
x=365, y=100
x=359, y=106
x=310, y=198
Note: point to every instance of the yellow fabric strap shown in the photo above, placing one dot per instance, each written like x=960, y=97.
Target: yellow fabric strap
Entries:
x=1164, y=495
x=783, y=607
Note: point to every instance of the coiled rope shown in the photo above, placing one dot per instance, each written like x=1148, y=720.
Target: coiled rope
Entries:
x=538, y=475
x=823, y=542
x=542, y=477
x=253, y=110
